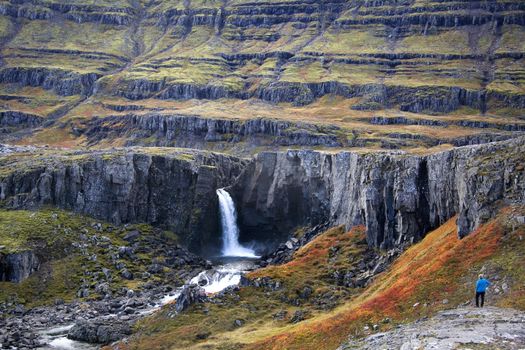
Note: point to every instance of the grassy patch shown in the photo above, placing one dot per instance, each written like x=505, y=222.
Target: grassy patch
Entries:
x=66, y=244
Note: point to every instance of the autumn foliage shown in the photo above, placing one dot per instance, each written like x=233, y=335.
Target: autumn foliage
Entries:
x=415, y=285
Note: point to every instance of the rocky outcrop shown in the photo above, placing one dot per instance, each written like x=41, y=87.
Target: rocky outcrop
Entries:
x=99, y=332
x=190, y=294
x=412, y=99
x=397, y=197
x=476, y=124
x=15, y=267
x=174, y=191
x=62, y=82
x=39, y=10
x=17, y=118
x=195, y=131
x=451, y=329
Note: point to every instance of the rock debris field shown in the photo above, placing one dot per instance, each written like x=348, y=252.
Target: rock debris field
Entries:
x=462, y=328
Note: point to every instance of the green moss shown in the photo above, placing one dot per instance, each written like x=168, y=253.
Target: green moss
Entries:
x=20, y=229
x=54, y=234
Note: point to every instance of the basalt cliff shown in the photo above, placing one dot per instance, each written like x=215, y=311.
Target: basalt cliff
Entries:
x=398, y=197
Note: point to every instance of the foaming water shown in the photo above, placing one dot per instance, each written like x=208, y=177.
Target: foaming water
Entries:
x=222, y=276
x=63, y=343
x=56, y=338
x=230, y=230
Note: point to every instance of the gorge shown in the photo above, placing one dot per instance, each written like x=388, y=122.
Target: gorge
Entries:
x=397, y=197
x=261, y=175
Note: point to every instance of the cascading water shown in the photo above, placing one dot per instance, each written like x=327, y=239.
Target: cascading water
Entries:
x=230, y=230
x=235, y=262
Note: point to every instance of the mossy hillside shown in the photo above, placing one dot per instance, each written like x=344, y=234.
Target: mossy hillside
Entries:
x=311, y=268
x=356, y=35
x=34, y=100
x=67, y=35
x=439, y=267
x=292, y=43
x=74, y=250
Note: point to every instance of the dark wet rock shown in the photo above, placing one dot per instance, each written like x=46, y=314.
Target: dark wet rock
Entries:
x=125, y=273
x=16, y=267
x=267, y=283
x=155, y=269
x=103, y=288
x=132, y=236
x=126, y=253
x=298, y=316
x=83, y=293
x=306, y=292
x=202, y=336
x=189, y=295
x=280, y=315
x=99, y=332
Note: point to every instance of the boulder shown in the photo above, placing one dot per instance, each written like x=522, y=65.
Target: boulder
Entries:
x=99, y=332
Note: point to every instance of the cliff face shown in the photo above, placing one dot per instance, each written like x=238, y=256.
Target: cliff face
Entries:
x=200, y=132
x=16, y=267
x=397, y=197
x=174, y=191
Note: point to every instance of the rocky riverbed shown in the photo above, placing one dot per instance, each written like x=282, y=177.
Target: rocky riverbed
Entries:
x=88, y=324
x=97, y=321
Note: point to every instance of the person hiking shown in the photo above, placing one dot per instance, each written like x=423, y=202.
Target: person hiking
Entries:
x=481, y=286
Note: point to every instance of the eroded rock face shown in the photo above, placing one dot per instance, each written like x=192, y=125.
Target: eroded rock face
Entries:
x=17, y=118
x=175, y=192
x=399, y=198
x=16, y=267
x=62, y=82
x=198, y=132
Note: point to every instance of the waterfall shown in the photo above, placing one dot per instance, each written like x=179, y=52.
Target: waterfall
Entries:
x=230, y=230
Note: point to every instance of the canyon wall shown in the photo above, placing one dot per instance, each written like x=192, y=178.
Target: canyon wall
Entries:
x=174, y=191
x=398, y=197
x=201, y=132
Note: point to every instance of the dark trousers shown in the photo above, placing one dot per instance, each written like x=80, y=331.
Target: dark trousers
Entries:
x=478, y=296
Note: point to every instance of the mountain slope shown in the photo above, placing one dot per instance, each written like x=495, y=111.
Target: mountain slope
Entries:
x=437, y=273
x=208, y=58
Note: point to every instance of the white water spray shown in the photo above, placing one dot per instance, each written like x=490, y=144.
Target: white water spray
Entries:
x=230, y=230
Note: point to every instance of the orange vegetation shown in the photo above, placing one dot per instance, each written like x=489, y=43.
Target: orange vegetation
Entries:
x=427, y=273
x=308, y=259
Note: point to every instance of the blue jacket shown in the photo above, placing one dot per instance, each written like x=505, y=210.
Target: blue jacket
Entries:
x=481, y=285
